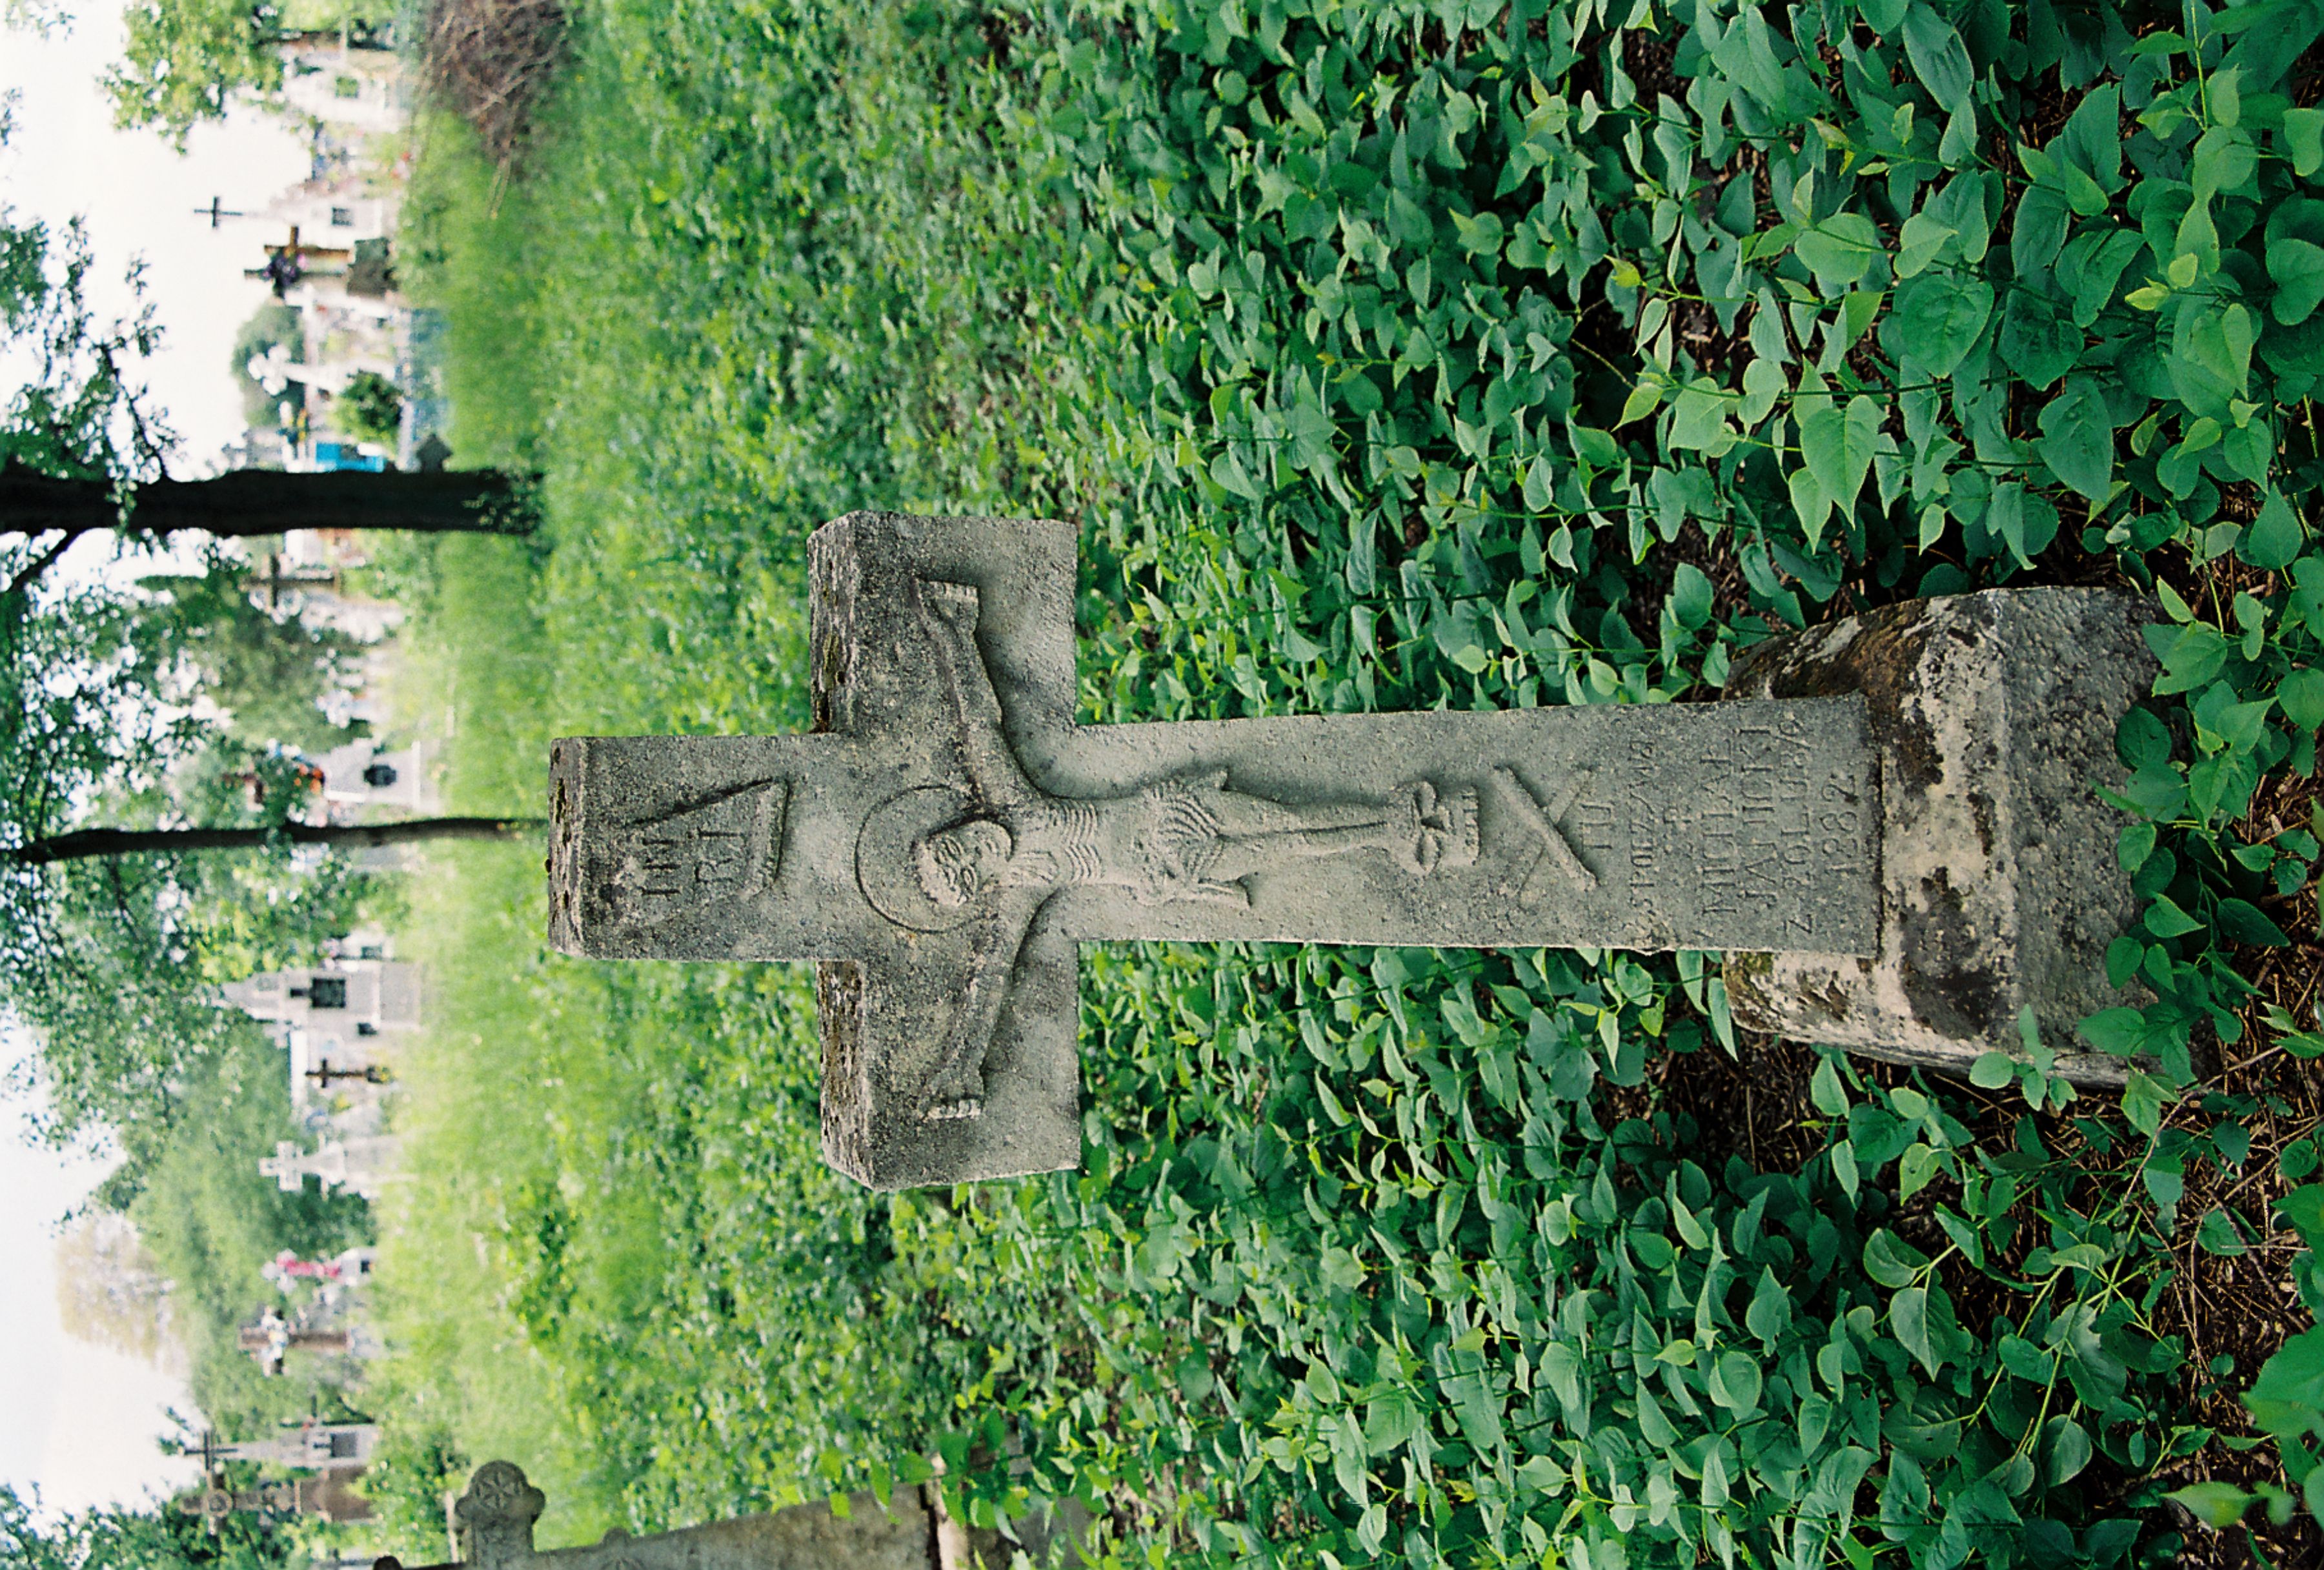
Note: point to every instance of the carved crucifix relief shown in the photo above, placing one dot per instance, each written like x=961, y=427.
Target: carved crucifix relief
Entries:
x=1000, y=852
x=949, y=836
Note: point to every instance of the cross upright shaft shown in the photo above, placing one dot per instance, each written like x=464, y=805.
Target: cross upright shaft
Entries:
x=950, y=836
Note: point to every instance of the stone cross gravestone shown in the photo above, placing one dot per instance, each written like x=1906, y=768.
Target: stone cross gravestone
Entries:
x=364, y=1163
x=492, y=1526
x=949, y=836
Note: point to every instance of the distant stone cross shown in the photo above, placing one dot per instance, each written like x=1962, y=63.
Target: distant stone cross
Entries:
x=950, y=836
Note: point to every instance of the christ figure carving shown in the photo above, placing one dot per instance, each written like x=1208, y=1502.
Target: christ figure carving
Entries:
x=1187, y=838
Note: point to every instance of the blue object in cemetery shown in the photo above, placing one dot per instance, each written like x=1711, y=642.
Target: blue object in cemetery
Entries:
x=346, y=455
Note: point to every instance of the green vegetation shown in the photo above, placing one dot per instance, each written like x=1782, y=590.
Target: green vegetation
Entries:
x=1395, y=356
x=211, y=1222
x=162, y=1539
x=111, y=963
x=370, y=407
x=184, y=61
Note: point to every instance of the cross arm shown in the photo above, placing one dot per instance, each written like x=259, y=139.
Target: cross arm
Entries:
x=950, y=611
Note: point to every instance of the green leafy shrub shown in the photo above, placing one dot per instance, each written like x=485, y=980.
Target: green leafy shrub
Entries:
x=370, y=408
x=1541, y=355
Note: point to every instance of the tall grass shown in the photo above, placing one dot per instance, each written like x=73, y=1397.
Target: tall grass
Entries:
x=728, y=301
x=612, y=1192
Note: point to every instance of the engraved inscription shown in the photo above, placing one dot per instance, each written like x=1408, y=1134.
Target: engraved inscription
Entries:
x=726, y=846
x=1787, y=824
x=1652, y=815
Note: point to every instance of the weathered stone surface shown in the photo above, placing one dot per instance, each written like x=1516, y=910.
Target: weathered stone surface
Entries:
x=806, y=1536
x=907, y=1530
x=1993, y=715
x=953, y=836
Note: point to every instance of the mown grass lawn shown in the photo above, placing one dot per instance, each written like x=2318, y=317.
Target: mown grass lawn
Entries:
x=1386, y=357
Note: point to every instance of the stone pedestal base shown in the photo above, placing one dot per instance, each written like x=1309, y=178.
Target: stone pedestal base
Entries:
x=1994, y=716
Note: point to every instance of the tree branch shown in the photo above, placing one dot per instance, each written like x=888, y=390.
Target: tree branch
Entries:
x=43, y=562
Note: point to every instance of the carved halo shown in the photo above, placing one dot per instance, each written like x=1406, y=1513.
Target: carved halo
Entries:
x=886, y=869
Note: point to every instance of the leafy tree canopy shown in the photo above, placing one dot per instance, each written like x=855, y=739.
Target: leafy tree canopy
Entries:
x=271, y=324
x=110, y=962
x=185, y=59
x=267, y=672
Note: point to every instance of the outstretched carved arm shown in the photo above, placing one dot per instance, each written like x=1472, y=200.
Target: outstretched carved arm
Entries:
x=950, y=609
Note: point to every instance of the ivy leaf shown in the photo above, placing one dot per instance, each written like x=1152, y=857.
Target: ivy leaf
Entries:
x=1594, y=447
x=1699, y=420
x=2102, y=271
x=2217, y=1235
x=1840, y=250
x=2304, y=139
x=2006, y=515
x=2301, y=698
x=2143, y=1097
x=1935, y=320
x=2218, y=1505
x=1690, y=597
x=2037, y=340
x=2077, y=438
x=1959, y=144
x=1481, y=236
x=2274, y=539
x=2092, y=141
x=1764, y=381
x=2141, y=739
x=2070, y=1450
x=1226, y=471
x=1770, y=1313
x=1735, y=1382
x=2223, y=161
x=1918, y=242
x=1811, y=500
x=1836, y=444
x=2122, y=1031
x=1937, y=55
x=1885, y=15
x=2164, y=918
x=1892, y=1261
x=1844, y=1168
x=2038, y=232
x=2297, y=267
x=1829, y=1096
x=2246, y=923
x=2303, y=1207
x=1908, y=1315
x=1916, y=1170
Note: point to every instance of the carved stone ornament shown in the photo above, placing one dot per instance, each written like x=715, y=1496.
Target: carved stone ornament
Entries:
x=496, y=1515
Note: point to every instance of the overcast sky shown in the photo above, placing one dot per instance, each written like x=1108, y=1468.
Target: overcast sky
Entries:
x=139, y=197
x=78, y=1421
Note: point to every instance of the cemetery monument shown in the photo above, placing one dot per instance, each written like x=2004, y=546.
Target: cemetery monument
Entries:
x=909, y=1529
x=948, y=835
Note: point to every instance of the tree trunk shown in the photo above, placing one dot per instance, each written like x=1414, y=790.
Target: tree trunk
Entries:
x=243, y=503
x=84, y=844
